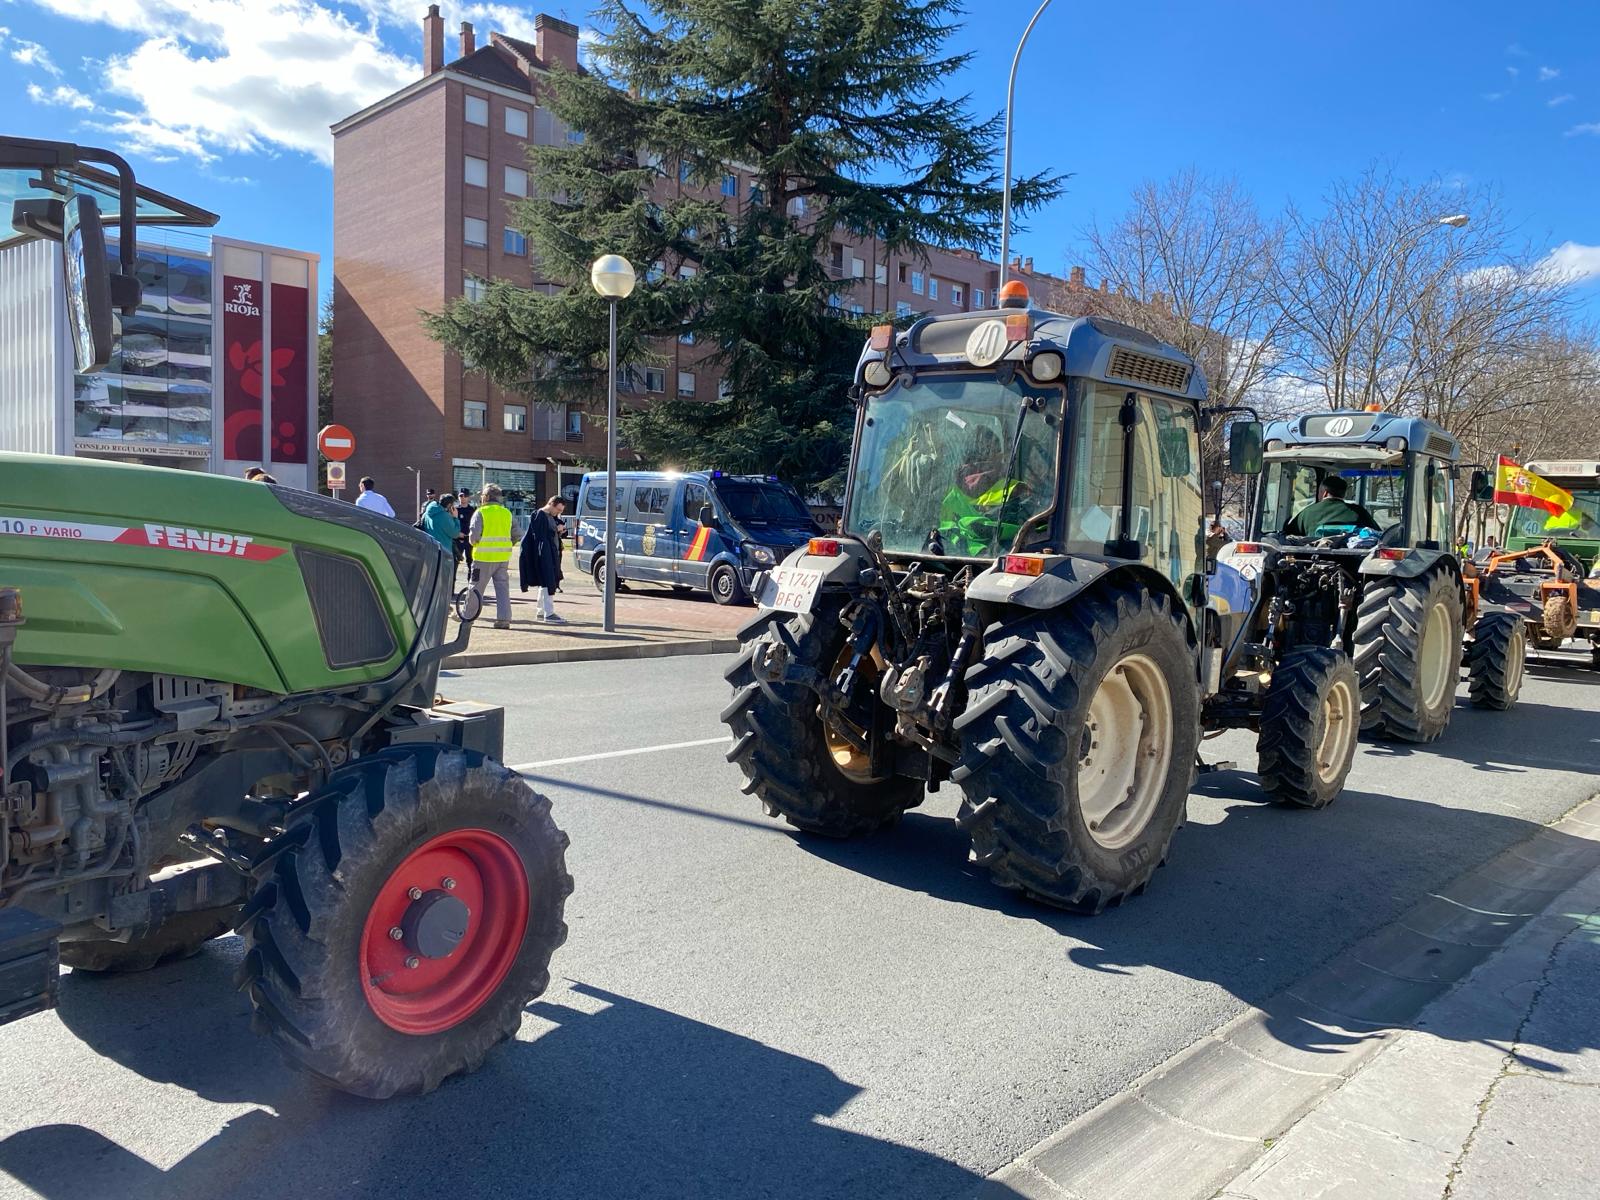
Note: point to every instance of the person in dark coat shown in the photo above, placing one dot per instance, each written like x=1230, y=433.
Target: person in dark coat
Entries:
x=540, y=561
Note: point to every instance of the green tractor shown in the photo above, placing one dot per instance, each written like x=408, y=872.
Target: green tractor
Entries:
x=1372, y=494
x=1018, y=603
x=227, y=720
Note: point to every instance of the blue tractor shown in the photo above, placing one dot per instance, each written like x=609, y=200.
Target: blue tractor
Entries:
x=1018, y=602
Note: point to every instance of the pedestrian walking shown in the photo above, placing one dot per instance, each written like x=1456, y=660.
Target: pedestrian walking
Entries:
x=464, y=510
x=372, y=500
x=439, y=522
x=539, y=564
x=490, y=537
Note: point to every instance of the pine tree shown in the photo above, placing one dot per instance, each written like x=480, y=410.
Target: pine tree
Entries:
x=836, y=103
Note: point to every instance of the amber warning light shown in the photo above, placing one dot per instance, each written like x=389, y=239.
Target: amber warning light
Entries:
x=1023, y=564
x=882, y=337
x=824, y=547
x=1013, y=294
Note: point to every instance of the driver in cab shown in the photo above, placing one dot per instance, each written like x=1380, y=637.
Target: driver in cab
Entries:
x=1329, y=508
x=970, y=509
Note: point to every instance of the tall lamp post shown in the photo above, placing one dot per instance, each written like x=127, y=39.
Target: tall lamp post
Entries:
x=1005, y=186
x=612, y=277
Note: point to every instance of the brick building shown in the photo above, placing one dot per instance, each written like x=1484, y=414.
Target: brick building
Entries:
x=422, y=183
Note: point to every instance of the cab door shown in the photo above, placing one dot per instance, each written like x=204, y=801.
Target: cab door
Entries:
x=652, y=548
x=695, y=546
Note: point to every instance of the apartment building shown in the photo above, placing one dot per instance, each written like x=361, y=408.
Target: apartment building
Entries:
x=423, y=181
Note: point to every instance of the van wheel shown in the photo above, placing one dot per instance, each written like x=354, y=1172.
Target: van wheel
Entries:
x=725, y=585
x=598, y=574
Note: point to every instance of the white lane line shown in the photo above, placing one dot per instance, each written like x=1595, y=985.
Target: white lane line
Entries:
x=561, y=762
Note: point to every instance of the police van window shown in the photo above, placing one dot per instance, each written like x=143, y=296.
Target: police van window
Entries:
x=695, y=498
x=650, y=502
x=594, y=500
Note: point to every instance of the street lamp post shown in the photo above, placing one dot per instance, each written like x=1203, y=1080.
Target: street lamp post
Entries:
x=417, y=477
x=1005, y=184
x=613, y=278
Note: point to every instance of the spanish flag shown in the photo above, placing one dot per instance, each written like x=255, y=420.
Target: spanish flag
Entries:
x=1514, y=484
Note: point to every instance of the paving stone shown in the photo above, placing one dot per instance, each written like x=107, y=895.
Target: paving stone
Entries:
x=1537, y=1140
x=1330, y=1158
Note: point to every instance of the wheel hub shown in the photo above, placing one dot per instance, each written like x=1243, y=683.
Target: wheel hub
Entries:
x=1124, y=751
x=435, y=925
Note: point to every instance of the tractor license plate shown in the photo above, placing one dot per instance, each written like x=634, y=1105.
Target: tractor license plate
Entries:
x=791, y=589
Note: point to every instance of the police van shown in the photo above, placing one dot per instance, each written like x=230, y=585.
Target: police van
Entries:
x=693, y=531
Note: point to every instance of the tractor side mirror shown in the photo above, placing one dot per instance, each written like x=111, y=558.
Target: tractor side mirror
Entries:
x=708, y=518
x=1244, y=447
x=88, y=279
x=1480, y=487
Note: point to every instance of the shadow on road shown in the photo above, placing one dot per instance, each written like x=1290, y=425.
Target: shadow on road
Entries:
x=614, y=1098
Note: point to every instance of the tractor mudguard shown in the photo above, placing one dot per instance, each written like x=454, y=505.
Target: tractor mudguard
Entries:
x=1064, y=577
x=1416, y=562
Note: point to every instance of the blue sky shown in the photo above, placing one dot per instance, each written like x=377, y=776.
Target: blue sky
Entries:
x=226, y=102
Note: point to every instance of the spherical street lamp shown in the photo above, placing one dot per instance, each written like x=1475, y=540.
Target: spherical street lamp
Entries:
x=613, y=278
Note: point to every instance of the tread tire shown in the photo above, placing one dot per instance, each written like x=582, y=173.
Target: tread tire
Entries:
x=304, y=922
x=1389, y=627
x=1028, y=698
x=778, y=737
x=1293, y=724
x=1495, y=659
x=732, y=591
x=179, y=936
x=1556, y=623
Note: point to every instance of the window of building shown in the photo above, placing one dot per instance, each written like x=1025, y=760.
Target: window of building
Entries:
x=933, y=288
x=835, y=301
x=574, y=137
x=755, y=192
x=685, y=271
x=858, y=269
x=857, y=310
x=574, y=424
x=685, y=171
x=902, y=309
x=517, y=121
x=686, y=338
x=797, y=206
x=655, y=272
x=905, y=272
x=475, y=232
x=956, y=294
x=474, y=414
x=685, y=383
x=516, y=182
x=651, y=501
x=655, y=379
x=475, y=289
x=730, y=185
x=516, y=418
x=724, y=389
x=477, y=110
x=916, y=282
x=477, y=171
x=514, y=242
x=977, y=297
x=880, y=273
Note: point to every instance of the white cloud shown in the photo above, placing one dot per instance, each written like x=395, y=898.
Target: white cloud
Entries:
x=1558, y=101
x=241, y=76
x=1516, y=51
x=31, y=54
x=1491, y=97
x=1513, y=72
x=1546, y=74
x=1573, y=261
x=61, y=96
x=1578, y=130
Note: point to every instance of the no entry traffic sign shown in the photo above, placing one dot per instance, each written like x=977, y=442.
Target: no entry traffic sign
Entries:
x=336, y=442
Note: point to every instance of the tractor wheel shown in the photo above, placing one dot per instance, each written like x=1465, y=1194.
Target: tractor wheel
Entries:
x=179, y=936
x=725, y=585
x=409, y=916
x=1408, y=655
x=1310, y=724
x=799, y=766
x=1495, y=659
x=1556, y=623
x=1079, y=739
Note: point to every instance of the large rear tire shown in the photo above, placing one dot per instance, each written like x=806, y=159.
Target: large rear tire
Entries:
x=456, y=855
x=1079, y=739
x=1495, y=659
x=1408, y=655
x=792, y=763
x=179, y=936
x=1310, y=724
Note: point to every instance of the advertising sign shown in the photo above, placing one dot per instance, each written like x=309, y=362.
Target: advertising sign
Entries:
x=290, y=378
x=242, y=367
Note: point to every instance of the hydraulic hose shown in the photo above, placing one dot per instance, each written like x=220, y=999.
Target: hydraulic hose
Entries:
x=52, y=696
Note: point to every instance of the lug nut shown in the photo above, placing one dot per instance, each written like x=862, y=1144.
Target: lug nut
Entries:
x=397, y=933
x=449, y=884
x=413, y=962
x=415, y=893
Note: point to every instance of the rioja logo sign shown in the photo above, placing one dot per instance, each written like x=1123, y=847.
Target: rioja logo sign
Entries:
x=243, y=303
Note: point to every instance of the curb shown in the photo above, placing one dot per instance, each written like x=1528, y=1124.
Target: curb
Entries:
x=566, y=654
x=1193, y=1123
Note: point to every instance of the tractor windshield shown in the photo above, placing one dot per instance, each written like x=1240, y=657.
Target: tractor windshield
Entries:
x=1291, y=488
x=955, y=464
x=1582, y=521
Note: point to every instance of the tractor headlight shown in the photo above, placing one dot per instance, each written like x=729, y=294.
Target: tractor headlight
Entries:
x=762, y=556
x=877, y=373
x=1046, y=366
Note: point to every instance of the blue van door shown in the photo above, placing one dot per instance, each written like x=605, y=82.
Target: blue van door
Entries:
x=694, y=542
x=651, y=544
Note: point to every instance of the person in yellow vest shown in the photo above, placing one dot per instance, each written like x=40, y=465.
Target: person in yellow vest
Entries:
x=490, y=535
x=970, y=510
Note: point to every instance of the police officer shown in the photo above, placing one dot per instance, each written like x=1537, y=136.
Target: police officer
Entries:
x=490, y=537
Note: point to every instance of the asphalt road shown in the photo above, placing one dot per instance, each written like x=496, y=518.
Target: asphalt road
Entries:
x=740, y=1012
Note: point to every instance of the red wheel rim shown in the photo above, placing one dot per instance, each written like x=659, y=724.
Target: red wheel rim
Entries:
x=418, y=994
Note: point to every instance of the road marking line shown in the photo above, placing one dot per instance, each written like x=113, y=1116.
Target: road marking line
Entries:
x=578, y=758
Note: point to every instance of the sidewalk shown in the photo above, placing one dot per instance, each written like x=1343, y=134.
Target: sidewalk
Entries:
x=651, y=623
x=1495, y=1092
